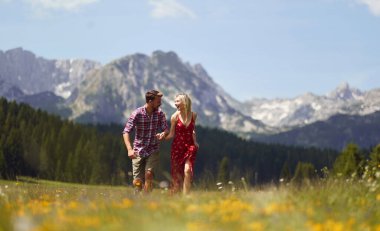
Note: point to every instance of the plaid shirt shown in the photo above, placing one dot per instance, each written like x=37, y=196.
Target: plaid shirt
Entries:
x=146, y=127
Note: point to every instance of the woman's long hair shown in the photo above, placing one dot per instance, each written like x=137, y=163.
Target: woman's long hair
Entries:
x=185, y=99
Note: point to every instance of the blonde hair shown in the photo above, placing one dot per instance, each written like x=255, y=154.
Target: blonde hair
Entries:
x=185, y=99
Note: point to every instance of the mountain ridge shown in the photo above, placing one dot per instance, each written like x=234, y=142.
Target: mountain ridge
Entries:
x=309, y=108
x=108, y=93
x=336, y=132
x=89, y=92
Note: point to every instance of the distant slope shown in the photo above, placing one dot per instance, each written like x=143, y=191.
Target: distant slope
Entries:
x=335, y=132
x=308, y=108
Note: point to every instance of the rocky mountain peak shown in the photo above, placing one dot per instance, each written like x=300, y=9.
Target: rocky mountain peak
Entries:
x=345, y=92
x=119, y=88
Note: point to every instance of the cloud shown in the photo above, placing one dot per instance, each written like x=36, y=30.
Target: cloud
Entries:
x=373, y=5
x=170, y=9
x=67, y=5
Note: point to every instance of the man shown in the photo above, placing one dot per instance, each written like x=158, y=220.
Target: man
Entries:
x=147, y=121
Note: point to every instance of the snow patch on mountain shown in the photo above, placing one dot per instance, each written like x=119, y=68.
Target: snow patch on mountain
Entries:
x=309, y=108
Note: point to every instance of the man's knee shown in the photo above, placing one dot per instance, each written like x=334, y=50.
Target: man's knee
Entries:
x=149, y=174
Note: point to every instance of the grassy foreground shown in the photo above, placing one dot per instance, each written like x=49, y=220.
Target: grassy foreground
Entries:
x=325, y=205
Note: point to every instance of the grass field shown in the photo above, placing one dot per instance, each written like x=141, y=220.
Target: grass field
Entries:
x=323, y=205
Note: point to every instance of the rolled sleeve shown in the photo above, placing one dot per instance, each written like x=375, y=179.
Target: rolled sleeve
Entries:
x=131, y=122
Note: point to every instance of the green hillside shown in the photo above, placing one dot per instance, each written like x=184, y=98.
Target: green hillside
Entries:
x=37, y=144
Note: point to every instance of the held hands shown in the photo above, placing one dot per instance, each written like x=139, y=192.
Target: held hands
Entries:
x=160, y=136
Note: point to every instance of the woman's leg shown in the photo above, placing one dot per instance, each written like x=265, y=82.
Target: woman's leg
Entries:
x=188, y=172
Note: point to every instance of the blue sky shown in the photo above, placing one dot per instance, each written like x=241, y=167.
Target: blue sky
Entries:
x=271, y=48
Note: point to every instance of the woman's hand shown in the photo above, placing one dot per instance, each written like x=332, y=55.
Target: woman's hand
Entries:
x=160, y=136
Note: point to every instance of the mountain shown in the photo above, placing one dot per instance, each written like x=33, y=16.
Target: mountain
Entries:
x=336, y=132
x=110, y=93
x=47, y=101
x=89, y=92
x=31, y=74
x=309, y=108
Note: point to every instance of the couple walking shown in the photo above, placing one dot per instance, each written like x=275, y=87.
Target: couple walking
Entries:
x=146, y=121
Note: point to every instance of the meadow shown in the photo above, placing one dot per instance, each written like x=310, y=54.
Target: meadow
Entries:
x=339, y=205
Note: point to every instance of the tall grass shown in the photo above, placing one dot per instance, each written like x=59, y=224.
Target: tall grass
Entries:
x=333, y=204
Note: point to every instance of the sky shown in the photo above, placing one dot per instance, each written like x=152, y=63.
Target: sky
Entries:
x=251, y=48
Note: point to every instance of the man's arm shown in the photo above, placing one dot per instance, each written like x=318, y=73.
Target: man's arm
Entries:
x=127, y=141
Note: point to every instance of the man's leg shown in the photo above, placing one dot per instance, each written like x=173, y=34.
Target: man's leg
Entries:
x=138, y=166
x=148, y=180
x=151, y=166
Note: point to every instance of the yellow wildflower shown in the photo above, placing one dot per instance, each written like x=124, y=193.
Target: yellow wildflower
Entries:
x=256, y=226
x=195, y=226
x=152, y=206
x=125, y=203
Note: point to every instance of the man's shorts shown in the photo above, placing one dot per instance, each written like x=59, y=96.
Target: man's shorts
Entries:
x=142, y=164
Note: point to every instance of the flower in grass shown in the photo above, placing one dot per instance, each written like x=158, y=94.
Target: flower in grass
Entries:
x=378, y=197
x=164, y=184
x=191, y=208
x=273, y=208
x=330, y=224
x=220, y=186
x=309, y=211
x=152, y=205
x=88, y=221
x=227, y=210
x=38, y=207
x=198, y=226
x=334, y=225
x=125, y=203
x=72, y=205
x=23, y=223
x=256, y=226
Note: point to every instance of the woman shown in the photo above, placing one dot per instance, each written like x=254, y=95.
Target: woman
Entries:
x=184, y=146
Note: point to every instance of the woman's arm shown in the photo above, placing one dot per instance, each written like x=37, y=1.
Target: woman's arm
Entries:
x=194, y=134
x=173, y=121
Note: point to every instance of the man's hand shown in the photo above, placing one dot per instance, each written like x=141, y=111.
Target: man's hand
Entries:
x=131, y=154
x=160, y=136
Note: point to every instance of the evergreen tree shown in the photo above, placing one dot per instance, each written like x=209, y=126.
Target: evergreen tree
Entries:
x=304, y=172
x=286, y=175
x=44, y=161
x=69, y=168
x=14, y=163
x=2, y=163
x=350, y=162
x=374, y=162
x=375, y=156
x=223, y=173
